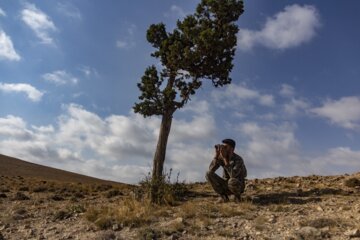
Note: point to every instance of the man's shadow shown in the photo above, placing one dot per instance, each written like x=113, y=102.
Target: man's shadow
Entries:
x=298, y=197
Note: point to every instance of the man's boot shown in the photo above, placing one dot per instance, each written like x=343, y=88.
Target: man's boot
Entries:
x=223, y=199
x=237, y=198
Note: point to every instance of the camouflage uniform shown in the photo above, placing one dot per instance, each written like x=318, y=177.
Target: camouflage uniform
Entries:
x=233, y=180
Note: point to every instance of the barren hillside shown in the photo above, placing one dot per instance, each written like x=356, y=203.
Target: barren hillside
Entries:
x=13, y=167
x=37, y=202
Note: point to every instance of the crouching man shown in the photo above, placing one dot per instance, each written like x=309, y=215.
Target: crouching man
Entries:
x=233, y=180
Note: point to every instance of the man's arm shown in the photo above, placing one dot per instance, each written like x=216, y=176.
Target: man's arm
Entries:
x=214, y=165
x=239, y=169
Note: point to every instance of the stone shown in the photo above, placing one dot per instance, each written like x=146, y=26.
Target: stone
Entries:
x=174, y=237
x=320, y=209
x=116, y=227
x=308, y=233
x=354, y=233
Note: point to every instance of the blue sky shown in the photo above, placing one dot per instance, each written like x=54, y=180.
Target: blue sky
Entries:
x=69, y=71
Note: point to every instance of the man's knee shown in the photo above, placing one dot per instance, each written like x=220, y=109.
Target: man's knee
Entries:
x=209, y=175
x=235, y=186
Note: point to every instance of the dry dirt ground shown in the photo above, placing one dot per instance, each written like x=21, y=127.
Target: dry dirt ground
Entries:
x=312, y=207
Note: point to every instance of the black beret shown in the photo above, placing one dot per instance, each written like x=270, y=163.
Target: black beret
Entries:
x=229, y=142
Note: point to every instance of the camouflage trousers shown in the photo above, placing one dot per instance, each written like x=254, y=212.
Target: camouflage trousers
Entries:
x=225, y=186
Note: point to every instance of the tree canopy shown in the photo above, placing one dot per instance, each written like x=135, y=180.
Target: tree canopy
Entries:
x=202, y=46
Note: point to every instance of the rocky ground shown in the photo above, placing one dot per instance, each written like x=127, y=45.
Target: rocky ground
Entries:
x=313, y=207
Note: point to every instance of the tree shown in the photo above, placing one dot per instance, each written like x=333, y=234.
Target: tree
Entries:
x=201, y=47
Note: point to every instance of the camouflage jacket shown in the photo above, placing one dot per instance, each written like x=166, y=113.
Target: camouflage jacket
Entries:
x=235, y=169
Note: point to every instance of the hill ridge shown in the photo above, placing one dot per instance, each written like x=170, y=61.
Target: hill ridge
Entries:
x=11, y=166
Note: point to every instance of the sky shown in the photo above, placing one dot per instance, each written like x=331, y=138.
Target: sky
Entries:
x=69, y=74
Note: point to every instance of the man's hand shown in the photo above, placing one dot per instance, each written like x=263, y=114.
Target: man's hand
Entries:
x=224, y=155
x=217, y=152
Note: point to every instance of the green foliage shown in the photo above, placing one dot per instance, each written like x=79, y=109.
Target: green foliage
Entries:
x=166, y=191
x=202, y=46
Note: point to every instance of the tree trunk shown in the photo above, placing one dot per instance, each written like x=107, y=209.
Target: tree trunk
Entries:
x=159, y=157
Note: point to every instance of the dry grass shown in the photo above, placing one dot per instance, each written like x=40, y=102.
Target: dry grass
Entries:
x=128, y=212
x=324, y=222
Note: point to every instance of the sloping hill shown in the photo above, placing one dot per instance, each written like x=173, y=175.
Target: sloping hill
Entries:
x=12, y=167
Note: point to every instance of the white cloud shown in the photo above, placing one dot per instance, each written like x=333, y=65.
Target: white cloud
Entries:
x=123, y=44
x=128, y=40
x=12, y=126
x=233, y=95
x=2, y=13
x=175, y=12
x=290, y=28
x=271, y=150
x=39, y=22
x=7, y=50
x=89, y=71
x=294, y=106
x=116, y=147
x=69, y=10
x=344, y=112
x=32, y=93
x=287, y=90
x=121, y=147
x=337, y=160
x=60, y=77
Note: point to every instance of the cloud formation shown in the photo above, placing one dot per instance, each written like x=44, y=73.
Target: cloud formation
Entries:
x=272, y=149
x=128, y=40
x=60, y=77
x=39, y=22
x=121, y=147
x=2, y=13
x=69, y=10
x=7, y=50
x=236, y=94
x=116, y=147
x=292, y=27
x=176, y=12
x=32, y=93
x=344, y=112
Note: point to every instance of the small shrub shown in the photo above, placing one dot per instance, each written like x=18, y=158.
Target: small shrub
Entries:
x=40, y=189
x=148, y=234
x=5, y=190
x=24, y=189
x=20, y=196
x=321, y=223
x=104, y=187
x=352, y=182
x=260, y=223
x=57, y=198
x=102, y=218
x=166, y=192
x=113, y=193
x=62, y=215
x=129, y=213
x=20, y=211
x=77, y=209
x=104, y=222
x=79, y=195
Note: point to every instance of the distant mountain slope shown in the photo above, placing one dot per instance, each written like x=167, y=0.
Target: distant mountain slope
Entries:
x=10, y=166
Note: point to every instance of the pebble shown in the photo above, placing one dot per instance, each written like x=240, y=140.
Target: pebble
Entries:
x=354, y=233
x=320, y=209
x=116, y=227
x=308, y=232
